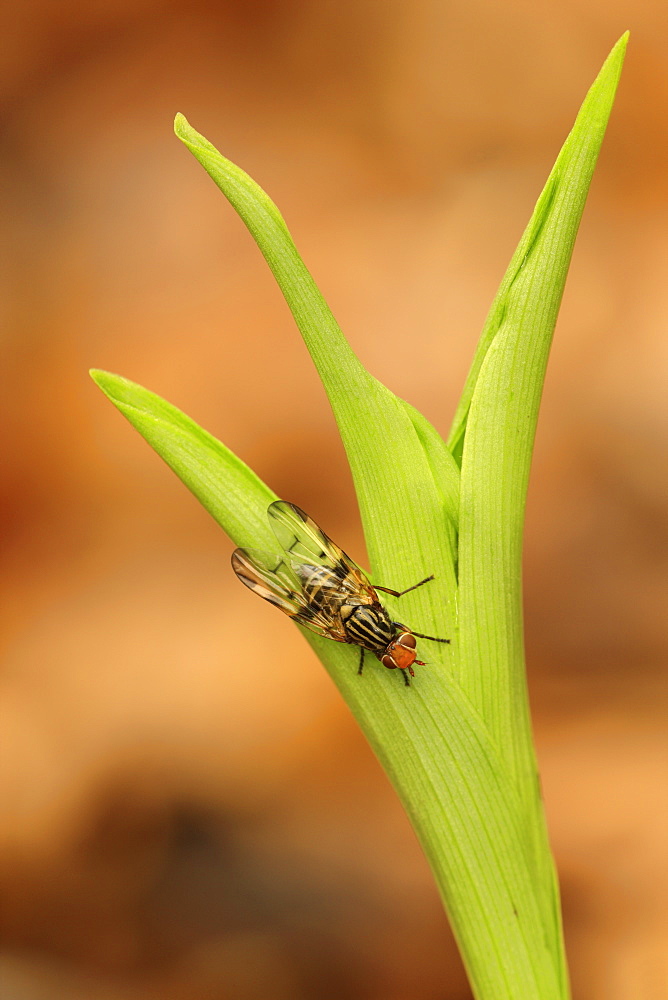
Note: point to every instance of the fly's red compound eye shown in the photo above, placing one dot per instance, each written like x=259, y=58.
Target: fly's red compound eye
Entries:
x=388, y=661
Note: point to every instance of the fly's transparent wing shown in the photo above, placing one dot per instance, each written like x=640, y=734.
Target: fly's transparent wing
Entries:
x=269, y=576
x=306, y=545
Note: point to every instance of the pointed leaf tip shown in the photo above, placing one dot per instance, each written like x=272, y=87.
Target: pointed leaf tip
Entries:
x=100, y=377
x=110, y=384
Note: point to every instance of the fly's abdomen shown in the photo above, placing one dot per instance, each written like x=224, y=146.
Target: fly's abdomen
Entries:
x=321, y=587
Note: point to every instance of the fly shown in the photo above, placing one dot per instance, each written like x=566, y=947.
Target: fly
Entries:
x=321, y=588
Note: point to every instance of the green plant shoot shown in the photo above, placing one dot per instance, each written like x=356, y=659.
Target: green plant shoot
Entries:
x=457, y=747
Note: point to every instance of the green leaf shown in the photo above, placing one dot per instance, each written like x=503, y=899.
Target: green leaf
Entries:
x=494, y=431
x=223, y=484
x=504, y=389
x=392, y=474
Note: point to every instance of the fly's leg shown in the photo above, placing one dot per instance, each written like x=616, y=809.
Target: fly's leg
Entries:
x=418, y=635
x=400, y=593
x=359, y=672
x=407, y=681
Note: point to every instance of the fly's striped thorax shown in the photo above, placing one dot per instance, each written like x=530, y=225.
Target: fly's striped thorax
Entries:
x=369, y=627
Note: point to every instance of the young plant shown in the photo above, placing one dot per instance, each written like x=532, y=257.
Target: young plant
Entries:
x=457, y=745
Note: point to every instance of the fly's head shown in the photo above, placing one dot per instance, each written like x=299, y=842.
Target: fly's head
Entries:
x=401, y=653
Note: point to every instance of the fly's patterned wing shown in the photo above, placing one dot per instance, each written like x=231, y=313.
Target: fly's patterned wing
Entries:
x=320, y=587
x=270, y=577
x=307, y=546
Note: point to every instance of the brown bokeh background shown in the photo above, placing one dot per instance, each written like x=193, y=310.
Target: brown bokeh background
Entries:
x=188, y=810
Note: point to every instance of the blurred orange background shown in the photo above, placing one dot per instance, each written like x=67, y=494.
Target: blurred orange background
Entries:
x=185, y=813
